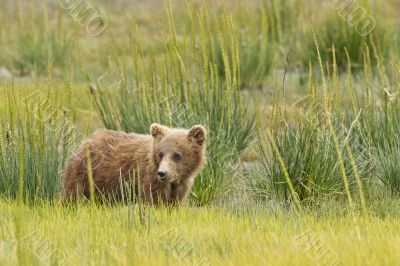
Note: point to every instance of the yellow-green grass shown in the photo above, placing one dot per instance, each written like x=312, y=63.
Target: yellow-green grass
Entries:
x=249, y=234
x=95, y=235
x=73, y=97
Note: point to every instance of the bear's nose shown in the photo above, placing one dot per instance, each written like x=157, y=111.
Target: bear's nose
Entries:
x=162, y=174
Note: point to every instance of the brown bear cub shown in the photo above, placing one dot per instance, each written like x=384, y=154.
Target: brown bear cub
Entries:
x=164, y=164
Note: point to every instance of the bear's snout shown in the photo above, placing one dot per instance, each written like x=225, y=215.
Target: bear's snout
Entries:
x=162, y=175
x=166, y=172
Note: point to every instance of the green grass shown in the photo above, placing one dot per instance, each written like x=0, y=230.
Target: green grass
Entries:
x=35, y=140
x=36, y=41
x=341, y=140
x=336, y=34
x=256, y=44
x=379, y=131
x=311, y=160
x=255, y=235
x=289, y=164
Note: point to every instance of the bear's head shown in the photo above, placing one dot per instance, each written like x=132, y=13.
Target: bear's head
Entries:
x=178, y=153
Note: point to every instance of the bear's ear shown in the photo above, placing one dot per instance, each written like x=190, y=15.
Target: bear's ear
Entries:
x=198, y=134
x=158, y=131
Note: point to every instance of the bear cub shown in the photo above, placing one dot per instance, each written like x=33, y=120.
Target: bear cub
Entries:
x=162, y=165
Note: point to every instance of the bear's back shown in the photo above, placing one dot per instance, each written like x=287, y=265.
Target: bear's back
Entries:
x=112, y=154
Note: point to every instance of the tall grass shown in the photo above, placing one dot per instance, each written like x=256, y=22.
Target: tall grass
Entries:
x=263, y=29
x=310, y=158
x=380, y=131
x=257, y=47
x=185, y=90
x=283, y=18
x=35, y=139
x=194, y=74
x=355, y=149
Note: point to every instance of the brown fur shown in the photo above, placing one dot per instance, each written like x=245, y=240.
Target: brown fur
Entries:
x=115, y=155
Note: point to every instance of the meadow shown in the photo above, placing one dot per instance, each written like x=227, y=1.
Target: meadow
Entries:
x=300, y=100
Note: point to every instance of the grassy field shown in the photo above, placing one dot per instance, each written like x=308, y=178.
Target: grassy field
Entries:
x=258, y=235
x=300, y=101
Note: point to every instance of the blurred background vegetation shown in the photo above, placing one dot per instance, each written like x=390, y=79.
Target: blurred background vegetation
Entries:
x=291, y=94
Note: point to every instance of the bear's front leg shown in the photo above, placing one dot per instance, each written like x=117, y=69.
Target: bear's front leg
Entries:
x=178, y=193
x=155, y=193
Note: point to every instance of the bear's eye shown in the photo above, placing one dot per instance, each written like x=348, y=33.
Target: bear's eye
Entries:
x=160, y=155
x=177, y=157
